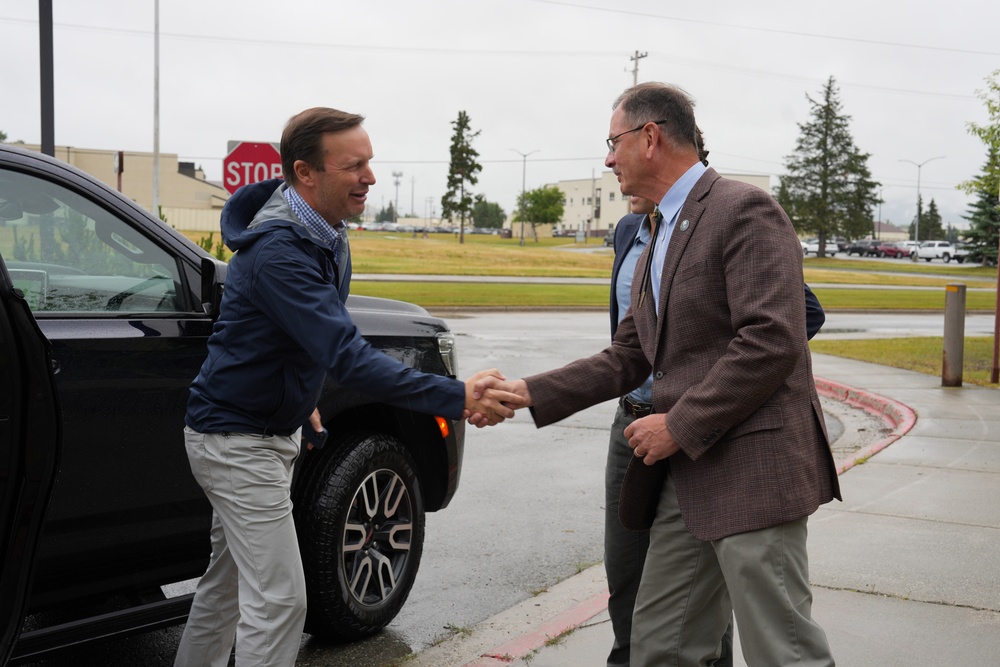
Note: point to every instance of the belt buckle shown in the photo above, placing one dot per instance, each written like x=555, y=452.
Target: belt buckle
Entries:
x=636, y=410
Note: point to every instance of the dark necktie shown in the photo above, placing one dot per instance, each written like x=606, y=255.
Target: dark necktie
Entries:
x=654, y=226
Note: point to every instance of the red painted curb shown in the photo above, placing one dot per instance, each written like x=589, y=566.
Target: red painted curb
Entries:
x=536, y=639
x=899, y=417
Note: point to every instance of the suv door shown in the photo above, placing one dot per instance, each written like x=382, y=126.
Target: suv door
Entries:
x=30, y=428
x=128, y=335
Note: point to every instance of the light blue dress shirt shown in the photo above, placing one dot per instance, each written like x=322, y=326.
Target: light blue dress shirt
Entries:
x=623, y=289
x=670, y=207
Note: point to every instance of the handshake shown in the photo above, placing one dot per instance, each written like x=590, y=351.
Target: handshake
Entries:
x=490, y=398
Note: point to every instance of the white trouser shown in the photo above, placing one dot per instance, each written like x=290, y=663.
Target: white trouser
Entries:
x=254, y=589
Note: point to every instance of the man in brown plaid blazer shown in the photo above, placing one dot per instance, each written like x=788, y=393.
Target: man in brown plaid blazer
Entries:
x=718, y=317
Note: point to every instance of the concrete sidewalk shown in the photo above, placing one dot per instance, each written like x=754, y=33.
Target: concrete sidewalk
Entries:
x=905, y=572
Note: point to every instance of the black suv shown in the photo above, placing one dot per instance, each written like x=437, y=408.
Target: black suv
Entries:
x=104, y=316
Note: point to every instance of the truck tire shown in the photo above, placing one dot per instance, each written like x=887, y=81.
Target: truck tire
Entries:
x=360, y=522
x=946, y=257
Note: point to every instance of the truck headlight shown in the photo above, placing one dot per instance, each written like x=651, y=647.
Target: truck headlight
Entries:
x=449, y=355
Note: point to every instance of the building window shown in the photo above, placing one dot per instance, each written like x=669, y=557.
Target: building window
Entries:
x=611, y=196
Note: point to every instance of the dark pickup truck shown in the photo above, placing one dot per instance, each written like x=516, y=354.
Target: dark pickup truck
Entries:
x=104, y=316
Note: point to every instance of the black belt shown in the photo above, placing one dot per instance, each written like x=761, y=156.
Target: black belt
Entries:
x=634, y=408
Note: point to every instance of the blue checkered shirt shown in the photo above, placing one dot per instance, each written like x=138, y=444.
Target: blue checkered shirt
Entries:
x=314, y=222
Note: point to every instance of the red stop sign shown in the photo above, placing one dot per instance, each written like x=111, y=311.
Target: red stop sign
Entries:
x=248, y=163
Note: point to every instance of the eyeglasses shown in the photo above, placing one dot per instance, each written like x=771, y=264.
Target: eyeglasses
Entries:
x=613, y=141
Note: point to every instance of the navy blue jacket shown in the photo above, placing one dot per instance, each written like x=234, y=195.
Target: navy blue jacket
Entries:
x=625, y=232
x=283, y=325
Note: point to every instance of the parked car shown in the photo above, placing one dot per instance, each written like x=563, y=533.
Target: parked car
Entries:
x=943, y=250
x=609, y=238
x=104, y=317
x=962, y=252
x=812, y=246
x=909, y=247
x=859, y=248
x=895, y=250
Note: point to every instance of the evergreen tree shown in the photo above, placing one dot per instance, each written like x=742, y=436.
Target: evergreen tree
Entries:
x=463, y=170
x=387, y=214
x=828, y=189
x=984, y=212
x=931, y=224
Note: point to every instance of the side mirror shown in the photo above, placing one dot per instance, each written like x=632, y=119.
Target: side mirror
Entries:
x=213, y=276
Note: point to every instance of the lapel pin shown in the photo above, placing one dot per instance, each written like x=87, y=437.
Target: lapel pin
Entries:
x=684, y=225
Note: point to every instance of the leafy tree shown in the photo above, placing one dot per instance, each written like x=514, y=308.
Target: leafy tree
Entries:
x=487, y=214
x=828, y=190
x=463, y=170
x=3, y=136
x=931, y=224
x=984, y=212
x=541, y=205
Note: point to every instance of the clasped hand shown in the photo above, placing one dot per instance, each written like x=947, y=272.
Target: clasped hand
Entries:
x=490, y=398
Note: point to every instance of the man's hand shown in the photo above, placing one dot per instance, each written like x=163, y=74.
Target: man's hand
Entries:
x=649, y=438
x=316, y=424
x=489, y=399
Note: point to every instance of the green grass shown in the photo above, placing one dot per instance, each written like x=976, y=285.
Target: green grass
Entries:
x=921, y=354
x=493, y=295
x=899, y=299
x=902, y=266
x=515, y=295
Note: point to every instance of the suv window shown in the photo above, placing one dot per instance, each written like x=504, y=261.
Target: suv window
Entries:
x=69, y=255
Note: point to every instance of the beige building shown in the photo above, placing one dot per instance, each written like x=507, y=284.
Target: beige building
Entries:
x=187, y=200
x=595, y=205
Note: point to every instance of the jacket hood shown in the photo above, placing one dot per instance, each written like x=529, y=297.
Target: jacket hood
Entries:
x=246, y=212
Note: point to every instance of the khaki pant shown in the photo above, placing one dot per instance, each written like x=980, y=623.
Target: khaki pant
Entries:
x=254, y=589
x=690, y=588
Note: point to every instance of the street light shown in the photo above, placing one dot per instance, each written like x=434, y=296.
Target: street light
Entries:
x=396, y=175
x=524, y=169
x=916, y=229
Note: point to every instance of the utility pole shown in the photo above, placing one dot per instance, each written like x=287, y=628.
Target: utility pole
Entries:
x=396, y=175
x=156, y=109
x=47, y=77
x=524, y=171
x=635, y=66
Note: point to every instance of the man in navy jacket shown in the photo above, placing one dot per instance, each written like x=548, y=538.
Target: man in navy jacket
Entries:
x=282, y=326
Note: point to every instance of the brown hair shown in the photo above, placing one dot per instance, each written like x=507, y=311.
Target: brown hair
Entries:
x=649, y=102
x=302, y=138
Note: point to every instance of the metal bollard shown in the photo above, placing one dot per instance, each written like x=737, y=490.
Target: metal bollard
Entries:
x=954, y=335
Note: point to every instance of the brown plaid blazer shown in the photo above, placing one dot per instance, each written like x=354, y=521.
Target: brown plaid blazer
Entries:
x=732, y=369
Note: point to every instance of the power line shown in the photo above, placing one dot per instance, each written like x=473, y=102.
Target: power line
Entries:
x=794, y=33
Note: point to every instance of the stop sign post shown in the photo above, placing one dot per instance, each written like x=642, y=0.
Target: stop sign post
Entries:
x=250, y=162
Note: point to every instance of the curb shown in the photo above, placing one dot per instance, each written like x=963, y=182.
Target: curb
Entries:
x=899, y=417
x=521, y=647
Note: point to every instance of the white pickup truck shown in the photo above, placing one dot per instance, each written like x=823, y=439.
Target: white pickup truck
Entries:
x=943, y=250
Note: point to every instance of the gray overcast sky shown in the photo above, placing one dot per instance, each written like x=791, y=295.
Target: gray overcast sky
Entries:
x=533, y=75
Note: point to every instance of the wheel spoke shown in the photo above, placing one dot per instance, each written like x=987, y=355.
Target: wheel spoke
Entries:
x=354, y=537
